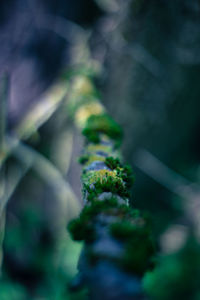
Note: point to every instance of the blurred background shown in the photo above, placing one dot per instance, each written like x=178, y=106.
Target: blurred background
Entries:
x=144, y=56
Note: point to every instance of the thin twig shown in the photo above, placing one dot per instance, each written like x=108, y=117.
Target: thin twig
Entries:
x=171, y=180
x=175, y=183
x=3, y=119
x=49, y=173
x=3, y=113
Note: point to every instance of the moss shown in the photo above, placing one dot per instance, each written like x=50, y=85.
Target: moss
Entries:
x=139, y=254
x=82, y=228
x=139, y=246
x=100, y=175
x=79, y=230
x=125, y=230
x=103, y=123
x=83, y=159
x=112, y=162
x=125, y=172
x=127, y=175
x=105, y=181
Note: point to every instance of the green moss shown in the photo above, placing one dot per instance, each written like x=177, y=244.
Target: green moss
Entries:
x=125, y=172
x=103, y=123
x=113, y=184
x=139, y=246
x=79, y=230
x=82, y=227
x=83, y=159
x=139, y=254
x=127, y=175
x=112, y=163
x=134, y=222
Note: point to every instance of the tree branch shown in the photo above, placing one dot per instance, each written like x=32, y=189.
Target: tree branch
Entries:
x=118, y=246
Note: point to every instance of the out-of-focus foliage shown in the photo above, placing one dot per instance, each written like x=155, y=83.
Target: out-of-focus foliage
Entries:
x=177, y=275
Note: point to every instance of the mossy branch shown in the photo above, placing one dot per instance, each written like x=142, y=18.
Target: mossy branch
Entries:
x=118, y=245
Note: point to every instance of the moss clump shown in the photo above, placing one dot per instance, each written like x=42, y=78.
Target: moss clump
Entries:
x=83, y=159
x=124, y=172
x=113, y=163
x=139, y=254
x=105, y=181
x=127, y=175
x=82, y=228
x=139, y=246
x=100, y=175
x=103, y=123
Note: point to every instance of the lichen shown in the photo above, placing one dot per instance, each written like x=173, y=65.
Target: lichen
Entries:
x=76, y=101
x=85, y=111
x=93, y=158
x=94, y=148
x=83, y=85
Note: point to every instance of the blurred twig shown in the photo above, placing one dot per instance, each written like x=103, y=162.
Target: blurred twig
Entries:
x=49, y=173
x=47, y=105
x=3, y=113
x=3, y=119
x=157, y=170
x=67, y=29
x=174, y=182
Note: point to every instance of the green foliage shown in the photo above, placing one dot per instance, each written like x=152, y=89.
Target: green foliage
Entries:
x=176, y=276
x=12, y=291
x=103, y=123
